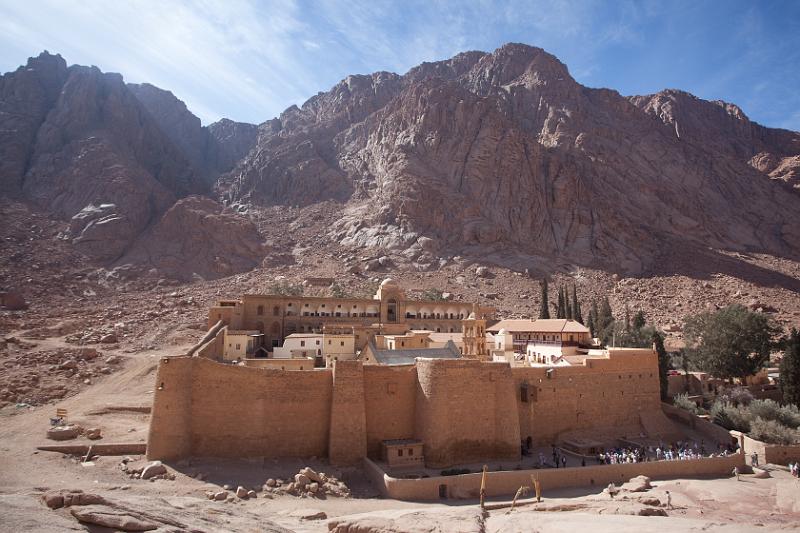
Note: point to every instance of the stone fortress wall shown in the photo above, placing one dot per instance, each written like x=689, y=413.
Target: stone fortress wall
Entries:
x=463, y=410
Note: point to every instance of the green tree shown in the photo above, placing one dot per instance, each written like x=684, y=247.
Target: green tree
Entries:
x=790, y=369
x=638, y=320
x=567, y=305
x=604, y=321
x=593, y=312
x=560, y=311
x=544, y=310
x=576, y=306
x=664, y=364
x=733, y=342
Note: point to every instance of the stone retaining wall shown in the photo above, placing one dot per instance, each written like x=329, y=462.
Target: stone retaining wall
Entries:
x=506, y=483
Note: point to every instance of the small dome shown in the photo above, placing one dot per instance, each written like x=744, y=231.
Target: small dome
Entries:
x=502, y=332
x=388, y=282
x=471, y=316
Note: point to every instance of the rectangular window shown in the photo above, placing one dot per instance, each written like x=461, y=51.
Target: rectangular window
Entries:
x=342, y=343
x=400, y=452
x=410, y=452
x=238, y=346
x=302, y=343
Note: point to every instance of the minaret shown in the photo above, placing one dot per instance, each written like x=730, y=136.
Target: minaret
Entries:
x=474, y=337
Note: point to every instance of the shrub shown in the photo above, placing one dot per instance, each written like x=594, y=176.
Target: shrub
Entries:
x=736, y=396
x=789, y=415
x=730, y=416
x=764, y=409
x=682, y=401
x=772, y=432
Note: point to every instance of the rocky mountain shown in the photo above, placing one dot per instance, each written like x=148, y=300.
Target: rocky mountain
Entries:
x=82, y=145
x=506, y=154
x=492, y=157
x=212, y=150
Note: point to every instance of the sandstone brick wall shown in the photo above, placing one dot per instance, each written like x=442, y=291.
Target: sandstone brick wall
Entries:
x=209, y=409
x=348, y=425
x=171, y=416
x=466, y=411
x=390, y=401
x=506, y=483
x=605, y=394
x=463, y=410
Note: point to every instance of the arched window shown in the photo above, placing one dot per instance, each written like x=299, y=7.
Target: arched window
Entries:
x=276, y=311
x=276, y=328
x=260, y=310
x=391, y=310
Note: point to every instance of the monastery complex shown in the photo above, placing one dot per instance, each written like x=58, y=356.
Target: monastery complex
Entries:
x=404, y=383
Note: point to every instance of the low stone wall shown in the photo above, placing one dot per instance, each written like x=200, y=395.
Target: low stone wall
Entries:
x=768, y=453
x=713, y=431
x=506, y=483
x=134, y=448
x=214, y=347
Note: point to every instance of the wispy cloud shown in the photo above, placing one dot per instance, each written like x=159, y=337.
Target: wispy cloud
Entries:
x=250, y=59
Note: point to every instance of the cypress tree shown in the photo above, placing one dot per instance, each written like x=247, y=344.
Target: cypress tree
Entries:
x=593, y=315
x=590, y=323
x=560, y=312
x=604, y=320
x=544, y=310
x=638, y=320
x=569, y=311
x=664, y=364
x=790, y=369
x=627, y=319
x=576, y=307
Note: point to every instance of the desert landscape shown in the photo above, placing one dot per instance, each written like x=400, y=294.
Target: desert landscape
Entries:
x=123, y=219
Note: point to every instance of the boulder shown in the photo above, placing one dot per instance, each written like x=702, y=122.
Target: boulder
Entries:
x=221, y=495
x=93, y=434
x=112, y=359
x=482, y=272
x=153, y=469
x=63, y=433
x=110, y=338
x=637, y=484
x=115, y=519
x=56, y=499
x=311, y=474
x=301, y=480
x=241, y=492
x=271, y=483
x=309, y=514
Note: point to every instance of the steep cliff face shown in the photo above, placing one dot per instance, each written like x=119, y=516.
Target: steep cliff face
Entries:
x=505, y=153
x=26, y=96
x=211, y=150
x=84, y=146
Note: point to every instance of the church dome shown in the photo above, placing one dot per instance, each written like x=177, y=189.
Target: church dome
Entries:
x=388, y=282
x=471, y=316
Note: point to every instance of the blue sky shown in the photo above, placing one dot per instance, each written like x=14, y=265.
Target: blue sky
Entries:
x=248, y=60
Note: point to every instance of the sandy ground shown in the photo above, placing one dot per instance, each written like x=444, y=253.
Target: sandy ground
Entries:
x=25, y=473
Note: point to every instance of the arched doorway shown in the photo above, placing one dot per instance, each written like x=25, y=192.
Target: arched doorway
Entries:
x=391, y=310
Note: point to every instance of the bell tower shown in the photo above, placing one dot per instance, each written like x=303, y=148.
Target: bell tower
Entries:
x=474, y=338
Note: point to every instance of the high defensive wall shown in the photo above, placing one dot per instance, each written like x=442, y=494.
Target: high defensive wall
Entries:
x=462, y=410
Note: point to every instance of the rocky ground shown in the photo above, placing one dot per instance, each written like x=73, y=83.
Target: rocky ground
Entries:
x=89, y=339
